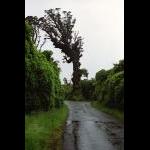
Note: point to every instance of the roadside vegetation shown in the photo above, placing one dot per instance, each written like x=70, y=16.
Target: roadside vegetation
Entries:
x=105, y=91
x=45, y=111
x=44, y=130
x=109, y=91
x=118, y=114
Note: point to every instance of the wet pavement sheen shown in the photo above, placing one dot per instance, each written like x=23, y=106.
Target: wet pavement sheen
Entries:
x=89, y=129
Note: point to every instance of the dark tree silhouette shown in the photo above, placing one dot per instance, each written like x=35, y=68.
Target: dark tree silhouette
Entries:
x=59, y=27
x=48, y=54
x=35, y=35
x=84, y=72
x=65, y=81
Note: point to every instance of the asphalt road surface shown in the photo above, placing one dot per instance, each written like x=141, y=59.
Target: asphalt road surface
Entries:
x=90, y=129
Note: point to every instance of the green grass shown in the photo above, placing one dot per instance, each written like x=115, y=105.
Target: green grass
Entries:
x=119, y=115
x=43, y=130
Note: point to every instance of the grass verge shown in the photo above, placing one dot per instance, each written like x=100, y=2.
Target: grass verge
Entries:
x=119, y=115
x=44, y=130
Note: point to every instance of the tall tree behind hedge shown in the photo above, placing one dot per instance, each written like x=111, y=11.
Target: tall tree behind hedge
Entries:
x=59, y=27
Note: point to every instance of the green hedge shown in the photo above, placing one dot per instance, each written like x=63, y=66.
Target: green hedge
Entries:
x=42, y=82
x=109, y=87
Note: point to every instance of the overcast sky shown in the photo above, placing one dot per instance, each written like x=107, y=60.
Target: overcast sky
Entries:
x=99, y=22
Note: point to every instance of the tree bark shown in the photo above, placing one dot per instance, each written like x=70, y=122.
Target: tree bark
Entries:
x=76, y=75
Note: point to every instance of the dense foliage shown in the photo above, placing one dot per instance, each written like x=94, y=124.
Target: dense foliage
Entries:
x=87, y=89
x=59, y=27
x=109, y=89
x=42, y=84
x=44, y=130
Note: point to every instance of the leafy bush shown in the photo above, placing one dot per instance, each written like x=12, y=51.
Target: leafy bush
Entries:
x=87, y=89
x=101, y=75
x=67, y=89
x=42, y=83
x=109, y=87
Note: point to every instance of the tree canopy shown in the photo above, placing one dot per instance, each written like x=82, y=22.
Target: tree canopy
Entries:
x=59, y=27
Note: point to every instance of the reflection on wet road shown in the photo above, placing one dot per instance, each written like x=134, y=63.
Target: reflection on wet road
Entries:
x=90, y=129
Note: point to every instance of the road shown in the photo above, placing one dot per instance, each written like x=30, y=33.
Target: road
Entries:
x=90, y=129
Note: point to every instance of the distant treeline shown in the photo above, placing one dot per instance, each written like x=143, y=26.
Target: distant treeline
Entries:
x=107, y=87
x=42, y=83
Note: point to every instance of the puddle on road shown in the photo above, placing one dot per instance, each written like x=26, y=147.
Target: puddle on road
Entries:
x=113, y=130
x=75, y=125
x=71, y=135
x=82, y=130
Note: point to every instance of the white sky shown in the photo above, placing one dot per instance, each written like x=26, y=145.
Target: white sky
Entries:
x=99, y=22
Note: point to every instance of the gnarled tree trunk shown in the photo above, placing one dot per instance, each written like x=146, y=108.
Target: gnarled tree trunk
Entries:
x=76, y=75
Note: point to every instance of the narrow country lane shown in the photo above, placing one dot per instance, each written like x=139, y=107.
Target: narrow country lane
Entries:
x=90, y=129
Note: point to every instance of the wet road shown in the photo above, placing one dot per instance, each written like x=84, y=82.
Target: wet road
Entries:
x=90, y=129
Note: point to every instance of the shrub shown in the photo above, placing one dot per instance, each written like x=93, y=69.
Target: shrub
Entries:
x=87, y=89
x=109, y=87
x=42, y=83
